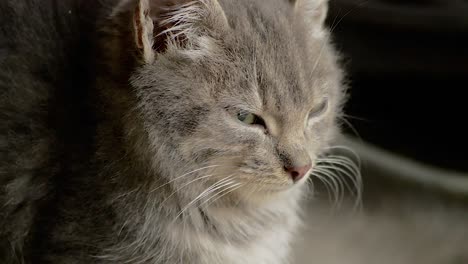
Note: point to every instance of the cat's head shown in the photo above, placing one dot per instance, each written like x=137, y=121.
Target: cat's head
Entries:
x=231, y=95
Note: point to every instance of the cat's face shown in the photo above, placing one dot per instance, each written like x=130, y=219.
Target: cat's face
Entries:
x=242, y=98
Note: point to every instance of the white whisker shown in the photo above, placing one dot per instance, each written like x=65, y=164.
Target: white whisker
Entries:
x=329, y=179
x=349, y=150
x=209, y=190
x=229, y=190
x=184, y=186
x=184, y=175
x=344, y=166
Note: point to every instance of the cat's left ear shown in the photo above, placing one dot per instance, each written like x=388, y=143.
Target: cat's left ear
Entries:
x=314, y=12
x=143, y=30
x=160, y=24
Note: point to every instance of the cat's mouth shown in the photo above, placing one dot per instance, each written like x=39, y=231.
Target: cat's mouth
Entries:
x=272, y=183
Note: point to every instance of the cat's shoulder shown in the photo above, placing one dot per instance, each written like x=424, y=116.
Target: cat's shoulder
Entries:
x=40, y=60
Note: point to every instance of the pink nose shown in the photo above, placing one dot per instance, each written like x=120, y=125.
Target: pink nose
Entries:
x=297, y=173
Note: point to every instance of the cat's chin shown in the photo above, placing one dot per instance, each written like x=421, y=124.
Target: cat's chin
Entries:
x=267, y=194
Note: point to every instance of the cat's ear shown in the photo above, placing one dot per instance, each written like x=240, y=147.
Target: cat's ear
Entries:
x=314, y=12
x=161, y=24
x=143, y=30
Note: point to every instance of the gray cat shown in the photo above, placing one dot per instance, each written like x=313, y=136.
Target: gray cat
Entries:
x=185, y=134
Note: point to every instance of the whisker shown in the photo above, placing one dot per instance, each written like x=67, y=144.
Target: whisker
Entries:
x=353, y=129
x=184, y=175
x=247, y=195
x=209, y=190
x=345, y=166
x=332, y=177
x=355, y=117
x=184, y=186
x=345, y=162
x=326, y=184
x=232, y=187
x=345, y=148
x=333, y=27
x=343, y=172
x=328, y=179
x=311, y=187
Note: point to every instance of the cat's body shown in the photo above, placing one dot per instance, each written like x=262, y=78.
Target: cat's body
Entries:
x=119, y=137
x=108, y=132
x=43, y=85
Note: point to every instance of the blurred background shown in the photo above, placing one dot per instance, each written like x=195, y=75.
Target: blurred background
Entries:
x=408, y=66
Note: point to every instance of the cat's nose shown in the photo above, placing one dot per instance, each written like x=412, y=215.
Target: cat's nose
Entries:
x=297, y=173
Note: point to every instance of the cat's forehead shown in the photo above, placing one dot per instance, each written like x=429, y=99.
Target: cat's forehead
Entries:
x=276, y=57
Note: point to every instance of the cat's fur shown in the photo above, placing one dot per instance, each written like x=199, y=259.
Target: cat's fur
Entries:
x=113, y=122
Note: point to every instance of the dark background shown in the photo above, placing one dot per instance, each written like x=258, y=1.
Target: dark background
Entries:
x=408, y=68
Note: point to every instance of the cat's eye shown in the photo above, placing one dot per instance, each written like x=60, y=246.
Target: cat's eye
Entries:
x=320, y=109
x=250, y=119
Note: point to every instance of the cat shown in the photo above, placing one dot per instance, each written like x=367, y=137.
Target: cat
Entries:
x=161, y=131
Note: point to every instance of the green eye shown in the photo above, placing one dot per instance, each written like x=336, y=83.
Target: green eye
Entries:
x=247, y=118
x=250, y=119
